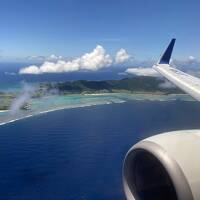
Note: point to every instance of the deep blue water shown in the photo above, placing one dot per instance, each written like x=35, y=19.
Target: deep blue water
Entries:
x=78, y=153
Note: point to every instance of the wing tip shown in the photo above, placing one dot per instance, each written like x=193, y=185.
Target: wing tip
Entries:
x=165, y=59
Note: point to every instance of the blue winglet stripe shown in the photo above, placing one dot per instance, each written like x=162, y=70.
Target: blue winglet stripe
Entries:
x=165, y=59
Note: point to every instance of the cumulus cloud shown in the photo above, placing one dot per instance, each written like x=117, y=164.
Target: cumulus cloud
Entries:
x=142, y=71
x=122, y=56
x=33, y=69
x=92, y=61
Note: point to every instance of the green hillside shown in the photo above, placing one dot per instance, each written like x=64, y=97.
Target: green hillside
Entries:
x=135, y=84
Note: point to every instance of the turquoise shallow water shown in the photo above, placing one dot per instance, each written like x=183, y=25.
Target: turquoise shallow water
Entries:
x=56, y=102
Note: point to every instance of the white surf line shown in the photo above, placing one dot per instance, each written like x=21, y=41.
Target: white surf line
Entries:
x=56, y=109
x=93, y=104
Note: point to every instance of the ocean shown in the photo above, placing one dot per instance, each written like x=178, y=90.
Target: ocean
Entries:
x=77, y=153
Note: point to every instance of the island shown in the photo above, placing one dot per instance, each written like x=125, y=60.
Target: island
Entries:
x=133, y=85
x=138, y=84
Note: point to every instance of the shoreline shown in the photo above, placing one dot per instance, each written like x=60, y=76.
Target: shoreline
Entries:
x=128, y=93
x=56, y=109
x=122, y=99
x=4, y=111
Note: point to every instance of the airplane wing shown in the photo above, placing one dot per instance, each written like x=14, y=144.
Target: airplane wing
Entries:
x=166, y=166
x=184, y=81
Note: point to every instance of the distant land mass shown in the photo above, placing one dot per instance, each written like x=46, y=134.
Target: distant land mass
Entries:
x=140, y=84
x=134, y=85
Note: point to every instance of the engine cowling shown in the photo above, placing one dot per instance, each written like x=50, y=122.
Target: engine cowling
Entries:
x=164, y=167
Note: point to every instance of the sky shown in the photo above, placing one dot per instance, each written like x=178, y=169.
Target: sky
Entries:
x=71, y=28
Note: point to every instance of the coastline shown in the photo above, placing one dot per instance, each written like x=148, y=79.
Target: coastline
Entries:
x=4, y=111
x=52, y=110
x=61, y=102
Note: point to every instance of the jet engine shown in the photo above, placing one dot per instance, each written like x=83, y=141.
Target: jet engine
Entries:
x=164, y=167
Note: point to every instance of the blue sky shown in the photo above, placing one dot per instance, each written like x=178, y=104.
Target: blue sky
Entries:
x=73, y=27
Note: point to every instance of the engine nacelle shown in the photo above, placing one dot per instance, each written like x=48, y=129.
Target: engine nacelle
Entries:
x=164, y=167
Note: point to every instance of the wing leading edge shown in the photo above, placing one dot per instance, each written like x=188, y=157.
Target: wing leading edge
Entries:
x=184, y=81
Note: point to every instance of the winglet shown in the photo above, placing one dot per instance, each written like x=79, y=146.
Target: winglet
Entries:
x=165, y=59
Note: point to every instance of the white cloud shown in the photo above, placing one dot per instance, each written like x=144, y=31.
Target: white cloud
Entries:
x=22, y=99
x=30, y=70
x=190, y=64
x=40, y=58
x=54, y=57
x=10, y=73
x=191, y=58
x=122, y=56
x=141, y=71
x=166, y=84
x=93, y=61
